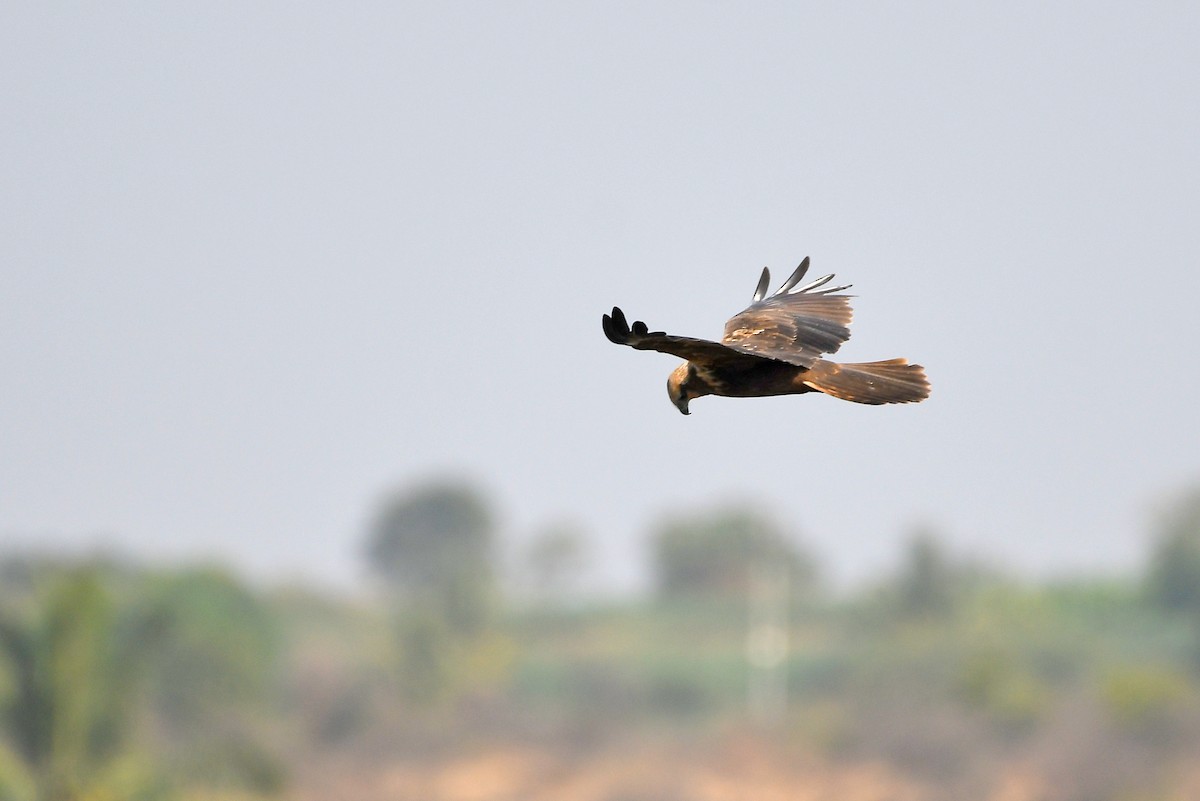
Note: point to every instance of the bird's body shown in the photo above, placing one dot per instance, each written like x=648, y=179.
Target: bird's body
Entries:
x=773, y=347
x=761, y=379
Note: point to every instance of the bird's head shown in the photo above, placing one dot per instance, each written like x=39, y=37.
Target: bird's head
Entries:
x=677, y=387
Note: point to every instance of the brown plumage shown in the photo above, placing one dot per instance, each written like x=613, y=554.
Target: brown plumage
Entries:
x=774, y=347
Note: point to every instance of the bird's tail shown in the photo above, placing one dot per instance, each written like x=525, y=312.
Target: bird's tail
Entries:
x=892, y=381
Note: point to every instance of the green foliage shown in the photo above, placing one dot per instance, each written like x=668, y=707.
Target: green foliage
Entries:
x=1173, y=578
x=927, y=583
x=422, y=540
x=153, y=685
x=131, y=777
x=434, y=548
x=234, y=763
x=426, y=658
x=92, y=656
x=930, y=584
x=1146, y=697
x=71, y=708
x=210, y=650
x=16, y=781
x=718, y=553
x=601, y=691
x=678, y=694
x=206, y=642
x=1010, y=694
x=437, y=664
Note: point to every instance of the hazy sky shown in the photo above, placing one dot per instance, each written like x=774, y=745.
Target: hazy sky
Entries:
x=263, y=262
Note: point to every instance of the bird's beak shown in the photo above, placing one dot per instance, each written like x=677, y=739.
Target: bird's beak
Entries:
x=683, y=406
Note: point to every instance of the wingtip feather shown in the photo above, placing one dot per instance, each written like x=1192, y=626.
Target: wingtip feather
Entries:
x=615, y=326
x=795, y=277
x=832, y=289
x=764, y=281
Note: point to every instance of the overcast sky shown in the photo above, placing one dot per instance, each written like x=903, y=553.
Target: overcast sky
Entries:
x=264, y=262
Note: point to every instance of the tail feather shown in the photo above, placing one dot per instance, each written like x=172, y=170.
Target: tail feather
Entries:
x=891, y=381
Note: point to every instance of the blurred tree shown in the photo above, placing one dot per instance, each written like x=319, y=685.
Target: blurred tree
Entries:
x=70, y=709
x=1173, y=576
x=927, y=581
x=434, y=548
x=208, y=644
x=210, y=650
x=719, y=552
x=96, y=656
x=556, y=558
x=426, y=657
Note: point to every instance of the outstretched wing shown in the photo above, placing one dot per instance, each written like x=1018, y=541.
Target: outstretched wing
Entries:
x=699, y=351
x=792, y=326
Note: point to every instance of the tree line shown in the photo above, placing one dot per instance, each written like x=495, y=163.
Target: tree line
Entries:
x=124, y=683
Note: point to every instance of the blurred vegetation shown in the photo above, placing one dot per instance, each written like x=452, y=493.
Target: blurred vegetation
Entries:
x=435, y=550
x=717, y=553
x=1173, y=580
x=124, y=682
x=555, y=559
x=127, y=685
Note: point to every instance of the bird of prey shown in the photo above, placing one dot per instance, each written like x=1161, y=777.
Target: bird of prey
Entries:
x=774, y=347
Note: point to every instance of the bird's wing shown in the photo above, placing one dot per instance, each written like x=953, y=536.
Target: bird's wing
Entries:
x=699, y=351
x=792, y=326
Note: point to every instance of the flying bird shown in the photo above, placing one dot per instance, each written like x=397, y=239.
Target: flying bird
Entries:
x=774, y=347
